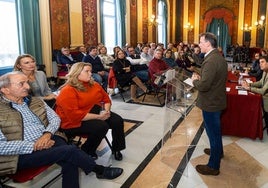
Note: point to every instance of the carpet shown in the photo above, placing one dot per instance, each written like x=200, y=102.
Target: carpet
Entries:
x=238, y=170
x=150, y=99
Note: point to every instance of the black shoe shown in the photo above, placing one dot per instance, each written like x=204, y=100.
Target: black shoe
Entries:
x=118, y=156
x=110, y=173
x=93, y=155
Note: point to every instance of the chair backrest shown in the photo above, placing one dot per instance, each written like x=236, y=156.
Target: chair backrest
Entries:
x=112, y=82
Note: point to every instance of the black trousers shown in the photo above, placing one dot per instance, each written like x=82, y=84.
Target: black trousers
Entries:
x=69, y=157
x=95, y=130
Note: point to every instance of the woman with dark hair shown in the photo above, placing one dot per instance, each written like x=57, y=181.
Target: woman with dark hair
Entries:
x=124, y=75
x=85, y=109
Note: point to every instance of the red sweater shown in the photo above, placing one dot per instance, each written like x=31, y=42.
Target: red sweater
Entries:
x=72, y=105
x=157, y=66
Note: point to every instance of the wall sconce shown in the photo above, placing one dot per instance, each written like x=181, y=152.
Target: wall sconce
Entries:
x=260, y=24
x=246, y=28
x=153, y=21
x=188, y=26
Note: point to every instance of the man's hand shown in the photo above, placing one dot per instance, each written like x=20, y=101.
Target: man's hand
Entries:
x=101, y=73
x=44, y=142
x=195, y=76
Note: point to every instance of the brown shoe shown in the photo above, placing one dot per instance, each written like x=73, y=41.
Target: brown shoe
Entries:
x=207, y=151
x=205, y=170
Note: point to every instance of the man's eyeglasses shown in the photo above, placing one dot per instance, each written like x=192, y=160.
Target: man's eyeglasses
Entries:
x=20, y=84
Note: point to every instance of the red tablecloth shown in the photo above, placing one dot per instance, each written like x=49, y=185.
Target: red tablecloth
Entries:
x=243, y=115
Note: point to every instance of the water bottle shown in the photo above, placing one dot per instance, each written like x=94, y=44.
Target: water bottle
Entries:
x=102, y=107
x=240, y=80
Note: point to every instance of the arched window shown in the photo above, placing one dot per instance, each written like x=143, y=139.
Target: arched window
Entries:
x=112, y=15
x=162, y=22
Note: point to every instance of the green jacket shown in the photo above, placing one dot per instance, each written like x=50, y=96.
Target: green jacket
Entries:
x=212, y=85
x=11, y=125
x=261, y=87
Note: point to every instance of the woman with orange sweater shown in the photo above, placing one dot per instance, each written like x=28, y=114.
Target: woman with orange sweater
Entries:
x=85, y=109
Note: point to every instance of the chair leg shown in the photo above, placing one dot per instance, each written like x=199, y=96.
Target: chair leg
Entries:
x=108, y=142
x=122, y=96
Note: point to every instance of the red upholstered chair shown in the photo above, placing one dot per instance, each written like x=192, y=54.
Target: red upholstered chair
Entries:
x=22, y=176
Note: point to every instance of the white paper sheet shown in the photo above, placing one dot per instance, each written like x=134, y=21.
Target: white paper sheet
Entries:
x=242, y=92
x=189, y=81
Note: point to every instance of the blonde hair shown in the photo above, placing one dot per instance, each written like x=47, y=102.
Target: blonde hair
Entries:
x=17, y=62
x=72, y=76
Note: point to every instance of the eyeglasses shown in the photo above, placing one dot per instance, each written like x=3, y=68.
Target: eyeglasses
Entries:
x=20, y=84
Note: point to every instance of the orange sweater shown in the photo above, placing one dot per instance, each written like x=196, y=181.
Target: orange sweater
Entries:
x=72, y=105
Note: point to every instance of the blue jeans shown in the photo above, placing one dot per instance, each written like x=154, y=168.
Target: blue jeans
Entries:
x=69, y=157
x=102, y=80
x=142, y=75
x=213, y=128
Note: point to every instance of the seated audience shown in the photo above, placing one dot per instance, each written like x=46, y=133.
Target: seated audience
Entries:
x=29, y=136
x=138, y=67
x=146, y=58
x=115, y=50
x=261, y=86
x=36, y=79
x=184, y=63
x=82, y=53
x=85, y=109
x=171, y=47
x=66, y=57
x=152, y=48
x=106, y=59
x=197, y=56
x=263, y=52
x=138, y=48
x=157, y=66
x=168, y=58
x=125, y=76
x=99, y=73
x=256, y=69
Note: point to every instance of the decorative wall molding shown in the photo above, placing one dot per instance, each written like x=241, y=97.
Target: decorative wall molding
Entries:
x=90, y=26
x=60, y=30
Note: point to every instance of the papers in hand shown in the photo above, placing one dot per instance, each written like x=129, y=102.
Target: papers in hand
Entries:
x=189, y=81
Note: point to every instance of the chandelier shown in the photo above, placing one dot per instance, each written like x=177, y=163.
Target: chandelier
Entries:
x=246, y=28
x=188, y=26
x=153, y=21
x=260, y=24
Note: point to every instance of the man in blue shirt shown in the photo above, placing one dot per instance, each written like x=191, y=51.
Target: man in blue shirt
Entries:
x=29, y=136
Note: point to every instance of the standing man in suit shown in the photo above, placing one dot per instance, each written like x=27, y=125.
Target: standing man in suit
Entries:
x=211, y=99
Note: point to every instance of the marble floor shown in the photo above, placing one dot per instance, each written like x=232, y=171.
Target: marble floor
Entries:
x=164, y=149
